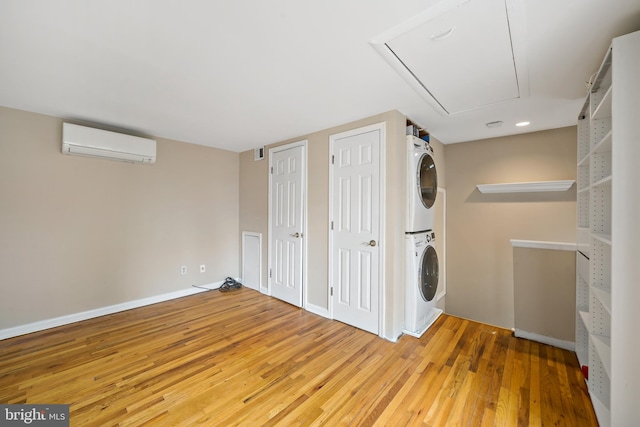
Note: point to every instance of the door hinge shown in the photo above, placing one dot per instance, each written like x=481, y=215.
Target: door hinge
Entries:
x=270, y=273
x=333, y=159
x=271, y=170
x=332, y=225
x=332, y=291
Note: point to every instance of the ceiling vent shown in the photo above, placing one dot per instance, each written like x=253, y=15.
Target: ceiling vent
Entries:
x=461, y=54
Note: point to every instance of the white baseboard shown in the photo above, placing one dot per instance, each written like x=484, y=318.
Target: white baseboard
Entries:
x=77, y=317
x=417, y=334
x=391, y=338
x=567, y=345
x=316, y=309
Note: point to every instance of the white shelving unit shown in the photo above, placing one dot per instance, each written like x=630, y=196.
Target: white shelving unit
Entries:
x=608, y=211
x=525, y=187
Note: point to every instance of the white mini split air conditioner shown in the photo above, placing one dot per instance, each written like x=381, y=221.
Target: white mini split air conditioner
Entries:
x=90, y=142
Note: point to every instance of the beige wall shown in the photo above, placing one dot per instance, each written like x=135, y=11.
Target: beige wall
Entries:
x=480, y=226
x=544, y=283
x=82, y=233
x=254, y=212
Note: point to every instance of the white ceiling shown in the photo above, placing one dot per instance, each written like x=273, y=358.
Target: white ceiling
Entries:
x=244, y=73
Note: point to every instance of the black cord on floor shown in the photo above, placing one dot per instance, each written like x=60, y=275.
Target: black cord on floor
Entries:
x=229, y=285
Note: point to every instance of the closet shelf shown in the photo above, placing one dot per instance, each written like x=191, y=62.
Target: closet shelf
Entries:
x=604, y=145
x=603, y=110
x=584, y=315
x=585, y=160
x=604, y=296
x=604, y=238
x=526, y=187
x=603, y=348
x=602, y=411
x=604, y=182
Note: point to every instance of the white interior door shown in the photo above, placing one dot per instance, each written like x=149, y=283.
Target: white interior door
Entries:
x=355, y=248
x=286, y=217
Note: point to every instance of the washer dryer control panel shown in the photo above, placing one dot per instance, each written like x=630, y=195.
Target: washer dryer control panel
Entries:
x=422, y=146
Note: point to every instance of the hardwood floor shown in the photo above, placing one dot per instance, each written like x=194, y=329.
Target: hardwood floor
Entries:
x=242, y=358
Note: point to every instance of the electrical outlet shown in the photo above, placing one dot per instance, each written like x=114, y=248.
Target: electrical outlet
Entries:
x=203, y=268
x=183, y=270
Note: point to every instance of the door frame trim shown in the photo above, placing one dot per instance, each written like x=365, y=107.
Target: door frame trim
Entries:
x=382, y=127
x=304, y=144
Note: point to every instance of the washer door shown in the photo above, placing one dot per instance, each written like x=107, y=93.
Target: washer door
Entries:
x=429, y=274
x=427, y=180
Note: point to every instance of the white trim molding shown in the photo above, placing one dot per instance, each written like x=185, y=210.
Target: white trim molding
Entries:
x=316, y=309
x=567, y=345
x=103, y=311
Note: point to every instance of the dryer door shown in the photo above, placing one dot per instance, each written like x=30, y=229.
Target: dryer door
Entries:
x=427, y=180
x=429, y=274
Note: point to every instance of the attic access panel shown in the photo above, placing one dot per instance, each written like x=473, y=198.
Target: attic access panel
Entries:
x=460, y=54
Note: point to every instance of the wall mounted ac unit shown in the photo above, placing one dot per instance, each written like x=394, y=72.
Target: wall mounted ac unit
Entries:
x=90, y=142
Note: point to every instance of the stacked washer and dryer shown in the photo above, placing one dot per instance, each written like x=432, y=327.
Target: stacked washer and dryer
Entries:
x=421, y=256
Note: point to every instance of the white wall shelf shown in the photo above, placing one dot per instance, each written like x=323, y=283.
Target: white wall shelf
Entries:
x=538, y=244
x=525, y=187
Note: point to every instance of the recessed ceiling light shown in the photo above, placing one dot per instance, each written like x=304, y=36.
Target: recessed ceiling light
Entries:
x=523, y=124
x=495, y=124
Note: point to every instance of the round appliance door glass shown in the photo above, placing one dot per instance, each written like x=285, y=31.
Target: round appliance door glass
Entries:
x=427, y=181
x=429, y=274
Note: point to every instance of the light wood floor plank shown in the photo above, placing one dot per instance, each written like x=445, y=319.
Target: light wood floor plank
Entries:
x=243, y=358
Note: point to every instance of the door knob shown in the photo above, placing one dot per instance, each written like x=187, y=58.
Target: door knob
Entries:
x=371, y=243
x=296, y=235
